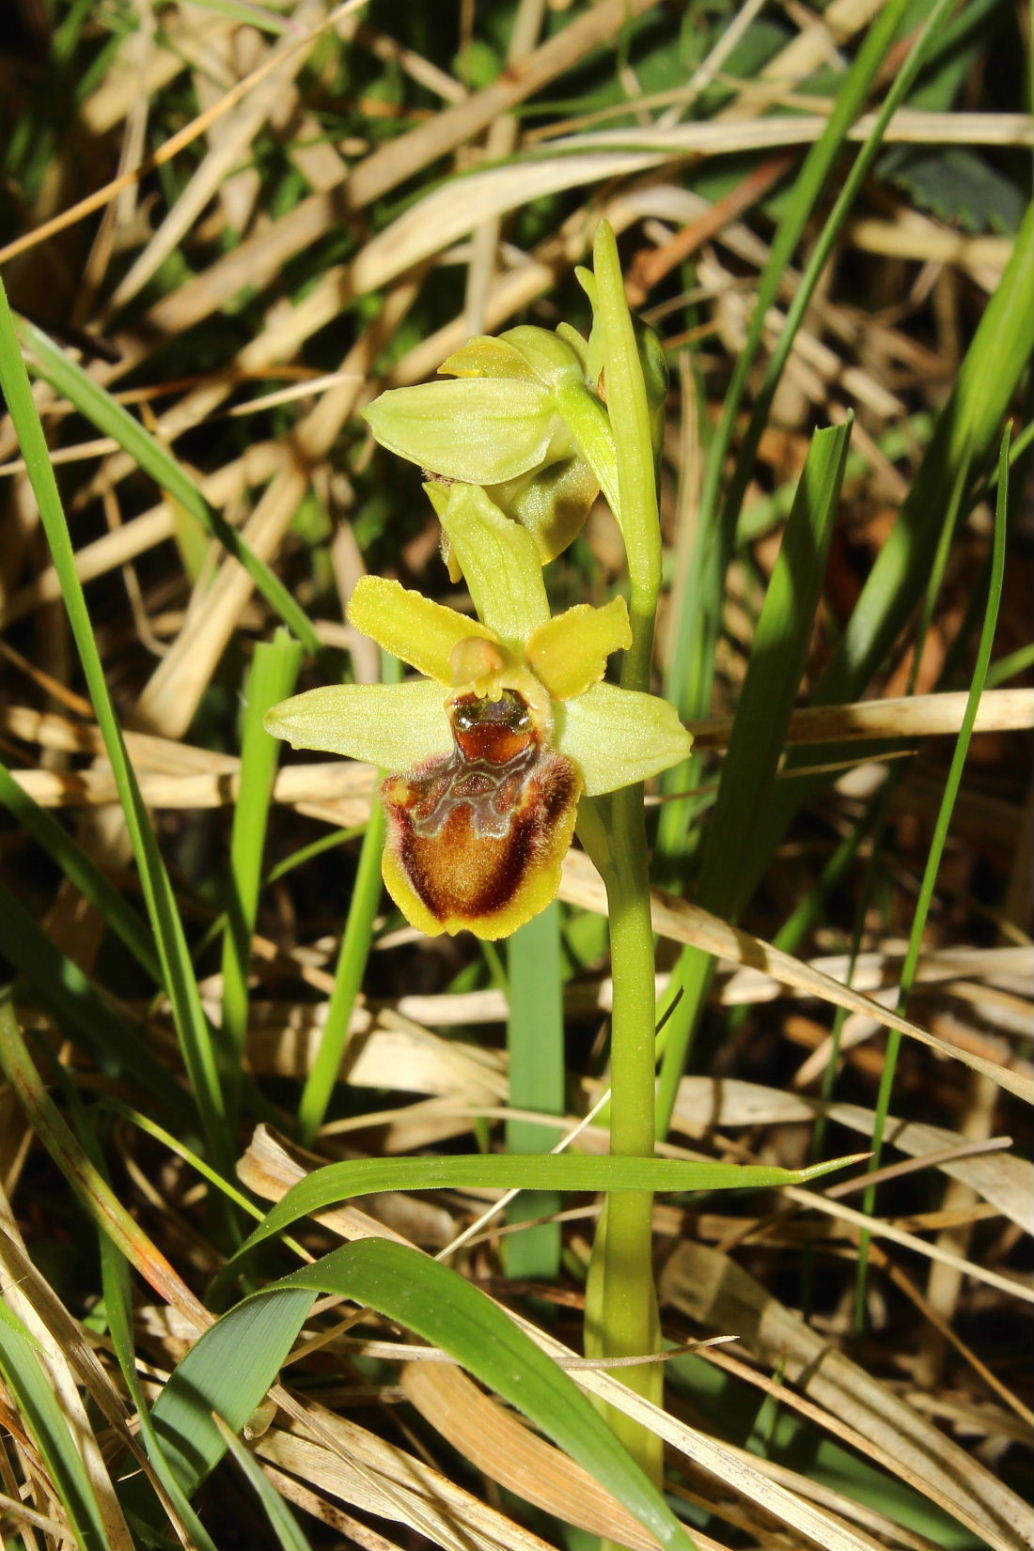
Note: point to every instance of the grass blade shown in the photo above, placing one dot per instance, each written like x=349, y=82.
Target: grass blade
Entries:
x=766, y=701
x=230, y=1367
x=351, y=965
x=109, y=416
x=939, y=838
x=32, y=1390
x=81, y=870
x=177, y=971
x=59, y=985
x=273, y=673
x=967, y=429
x=339, y=1182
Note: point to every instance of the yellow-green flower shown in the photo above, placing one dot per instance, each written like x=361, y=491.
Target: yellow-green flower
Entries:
x=504, y=423
x=495, y=746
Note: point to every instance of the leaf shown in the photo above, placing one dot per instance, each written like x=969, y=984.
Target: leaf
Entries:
x=231, y=1366
x=31, y=1388
x=956, y=184
x=339, y=1182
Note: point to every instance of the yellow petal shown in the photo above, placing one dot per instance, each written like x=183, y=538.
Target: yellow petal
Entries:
x=570, y=652
x=420, y=631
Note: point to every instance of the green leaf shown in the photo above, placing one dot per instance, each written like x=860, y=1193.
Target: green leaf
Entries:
x=78, y=1007
x=230, y=1367
x=82, y=871
x=535, y=1041
x=228, y=1370
x=956, y=184
x=281, y=1520
x=180, y=983
x=32, y=1390
x=273, y=672
x=339, y=1182
x=353, y=956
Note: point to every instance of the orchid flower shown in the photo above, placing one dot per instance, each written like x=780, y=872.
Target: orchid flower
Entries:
x=522, y=417
x=491, y=751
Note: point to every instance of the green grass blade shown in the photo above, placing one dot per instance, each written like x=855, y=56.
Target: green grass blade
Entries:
x=178, y=977
x=59, y=985
x=108, y=415
x=118, y=1308
x=53, y=1132
x=692, y=665
x=81, y=870
x=767, y=698
x=272, y=677
x=690, y=675
x=32, y=1390
x=939, y=838
x=228, y=1370
x=348, y=978
x=967, y=430
x=282, y=1521
x=231, y=1365
x=566, y=1171
x=901, y=84
x=352, y=958
x=1006, y=668
x=535, y=1040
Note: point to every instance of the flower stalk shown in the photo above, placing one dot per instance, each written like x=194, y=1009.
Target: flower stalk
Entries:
x=622, y=1316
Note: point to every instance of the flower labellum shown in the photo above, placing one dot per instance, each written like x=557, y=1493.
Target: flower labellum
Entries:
x=493, y=749
x=477, y=837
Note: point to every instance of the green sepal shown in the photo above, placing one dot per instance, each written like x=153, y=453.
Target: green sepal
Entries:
x=477, y=429
x=394, y=726
x=619, y=736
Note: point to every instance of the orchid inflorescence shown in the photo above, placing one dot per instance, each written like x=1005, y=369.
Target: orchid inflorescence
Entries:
x=513, y=723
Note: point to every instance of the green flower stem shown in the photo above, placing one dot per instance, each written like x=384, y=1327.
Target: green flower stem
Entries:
x=622, y=1311
x=621, y=1314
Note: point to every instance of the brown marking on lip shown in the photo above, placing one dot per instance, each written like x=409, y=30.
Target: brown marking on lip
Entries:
x=479, y=838
x=462, y=874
